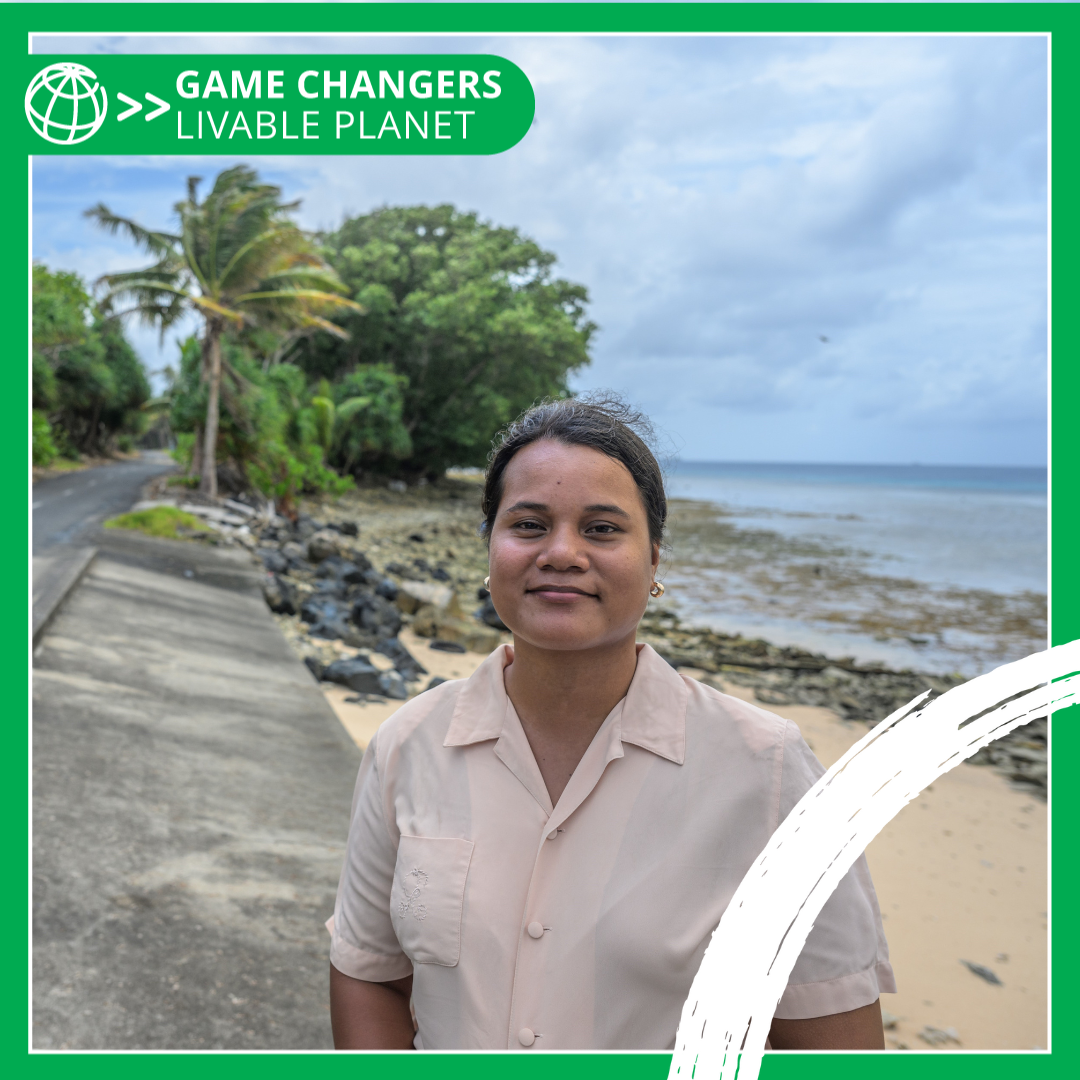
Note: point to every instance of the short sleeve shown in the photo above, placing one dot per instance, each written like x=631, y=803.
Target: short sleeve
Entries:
x=363, y=944
x=845, y=962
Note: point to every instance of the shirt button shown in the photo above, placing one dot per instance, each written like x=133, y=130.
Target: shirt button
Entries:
x=551, y=835
x=536, y=930
x=526, y=1037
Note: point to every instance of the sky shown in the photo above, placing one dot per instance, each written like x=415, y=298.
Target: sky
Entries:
x=807, y=249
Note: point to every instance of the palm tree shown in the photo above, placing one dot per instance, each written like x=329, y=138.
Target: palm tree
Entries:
x=237, y=260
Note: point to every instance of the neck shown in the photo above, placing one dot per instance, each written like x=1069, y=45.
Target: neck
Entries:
x=562, y=698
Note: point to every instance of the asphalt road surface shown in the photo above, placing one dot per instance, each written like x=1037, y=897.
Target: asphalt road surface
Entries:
x=67, y=507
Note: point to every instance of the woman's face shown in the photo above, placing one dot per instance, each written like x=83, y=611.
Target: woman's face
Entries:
x=571, y=561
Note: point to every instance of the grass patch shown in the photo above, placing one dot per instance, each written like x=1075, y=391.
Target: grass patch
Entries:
x=62, y=464
x=165, y=521
x=191, y=482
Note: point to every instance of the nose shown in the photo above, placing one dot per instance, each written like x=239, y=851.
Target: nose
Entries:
x=563, y=551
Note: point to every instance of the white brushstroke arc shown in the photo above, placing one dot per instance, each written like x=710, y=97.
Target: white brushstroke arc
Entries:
x=726, y=1018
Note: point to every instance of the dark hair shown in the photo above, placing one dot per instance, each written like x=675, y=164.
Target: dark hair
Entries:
x=602, y=422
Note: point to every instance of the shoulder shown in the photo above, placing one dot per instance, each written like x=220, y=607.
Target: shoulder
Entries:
x=711, y=713
x=422, y=719
x=455, y=713
x=755, y=733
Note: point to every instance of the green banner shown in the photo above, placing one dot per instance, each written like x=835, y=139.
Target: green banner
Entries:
x=326, y=104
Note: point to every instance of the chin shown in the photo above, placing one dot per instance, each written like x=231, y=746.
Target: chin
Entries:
x=566, y=635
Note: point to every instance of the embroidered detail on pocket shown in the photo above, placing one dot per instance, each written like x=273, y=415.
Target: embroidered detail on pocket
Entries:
x=428, y=896
x=415, y=883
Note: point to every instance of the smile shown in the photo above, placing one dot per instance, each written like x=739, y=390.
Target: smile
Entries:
x=561, y=594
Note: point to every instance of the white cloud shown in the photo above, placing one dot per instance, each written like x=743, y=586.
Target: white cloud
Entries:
x=729, y=201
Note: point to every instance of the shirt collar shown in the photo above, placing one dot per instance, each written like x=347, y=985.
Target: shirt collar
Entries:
x=653, y=711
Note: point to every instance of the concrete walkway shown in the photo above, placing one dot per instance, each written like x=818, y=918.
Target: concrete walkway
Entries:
x=191, y=802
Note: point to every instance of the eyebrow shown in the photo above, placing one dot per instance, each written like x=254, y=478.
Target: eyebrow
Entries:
x=595, y=508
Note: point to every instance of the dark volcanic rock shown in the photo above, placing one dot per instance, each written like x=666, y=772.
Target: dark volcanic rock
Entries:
x=323, y=545
x=447, y=646
x=305, y=527
x=331, y=588
x=357, y=674
x=387, y=589
x=404, y=661
x=315, y=666
x=316, y=608
x=280, y=594
x=352, y=571
x=273, y=560
x=334, y=629
x=393, y=685
x=376, y=615
x=436, y=680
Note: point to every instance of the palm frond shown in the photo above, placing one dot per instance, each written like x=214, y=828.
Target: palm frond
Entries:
x=316, y=322
x=157, y=243
x=330, y=299
x=351, y=406
x=206, y=304
x=320, y=277
x=255, y=257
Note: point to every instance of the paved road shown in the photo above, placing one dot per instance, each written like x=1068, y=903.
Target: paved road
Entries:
x=67, y=507
x=191, y=804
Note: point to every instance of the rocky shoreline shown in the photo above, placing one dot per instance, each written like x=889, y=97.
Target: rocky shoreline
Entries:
x=347, y=575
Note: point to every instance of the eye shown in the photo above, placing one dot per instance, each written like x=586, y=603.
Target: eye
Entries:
x=529, y=524
x=603, y=528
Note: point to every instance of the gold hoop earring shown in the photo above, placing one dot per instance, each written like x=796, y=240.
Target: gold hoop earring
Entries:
x=657, y=589
x=487, y=582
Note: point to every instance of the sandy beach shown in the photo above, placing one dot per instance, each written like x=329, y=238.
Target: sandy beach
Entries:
x=961, y=873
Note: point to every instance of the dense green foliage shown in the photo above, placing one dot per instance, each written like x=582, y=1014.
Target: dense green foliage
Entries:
x=401, y=342
x=88, y=383
x=276, y=430
x=468, y=312
x=238, y=261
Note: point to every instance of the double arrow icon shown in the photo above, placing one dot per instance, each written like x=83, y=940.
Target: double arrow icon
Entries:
x=136, y=106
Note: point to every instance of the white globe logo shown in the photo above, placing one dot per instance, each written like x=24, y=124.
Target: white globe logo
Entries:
x=65, y=103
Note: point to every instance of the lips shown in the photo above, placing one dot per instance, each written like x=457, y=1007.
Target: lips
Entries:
x=562, y=593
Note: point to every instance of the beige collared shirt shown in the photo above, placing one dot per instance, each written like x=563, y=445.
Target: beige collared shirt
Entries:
x=578, y=926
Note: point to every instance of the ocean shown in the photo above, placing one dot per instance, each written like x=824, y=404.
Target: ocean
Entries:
x=937, y=568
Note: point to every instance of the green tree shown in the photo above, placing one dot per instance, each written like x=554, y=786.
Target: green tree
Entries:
x=469, y=313
x=88, y=383
x=239, y=261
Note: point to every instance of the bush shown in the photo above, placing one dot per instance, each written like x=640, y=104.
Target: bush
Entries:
x=45, y=452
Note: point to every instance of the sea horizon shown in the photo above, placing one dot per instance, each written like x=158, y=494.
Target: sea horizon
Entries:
x=914, y=474
x=942, y=567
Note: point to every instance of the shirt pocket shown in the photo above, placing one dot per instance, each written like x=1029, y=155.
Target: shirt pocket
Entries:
x=429, y=891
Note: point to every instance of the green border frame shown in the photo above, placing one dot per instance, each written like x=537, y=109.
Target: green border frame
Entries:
x=1061, y=20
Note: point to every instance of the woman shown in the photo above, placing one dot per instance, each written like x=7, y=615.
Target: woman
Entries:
x=539, y=854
